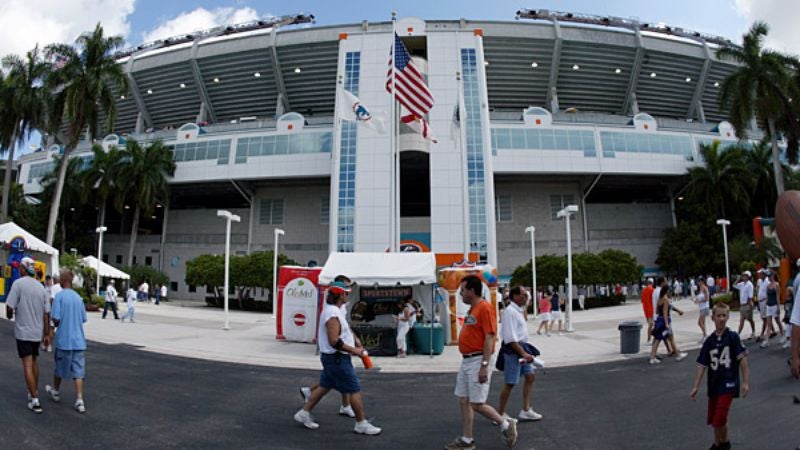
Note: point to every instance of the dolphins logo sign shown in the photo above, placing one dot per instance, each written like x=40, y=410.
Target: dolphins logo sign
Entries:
x=361, y=112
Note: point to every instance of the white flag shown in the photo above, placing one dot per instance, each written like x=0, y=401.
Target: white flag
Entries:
x=351, y=109
x=417, y=124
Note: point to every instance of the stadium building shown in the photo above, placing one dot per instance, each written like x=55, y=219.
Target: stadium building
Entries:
x=555, y=109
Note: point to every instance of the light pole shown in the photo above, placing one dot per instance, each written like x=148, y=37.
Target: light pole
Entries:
x=566, y=214
x=532, y=230
x=100, y=231
x=228, y=219
x=278, y=232
x=724, y=223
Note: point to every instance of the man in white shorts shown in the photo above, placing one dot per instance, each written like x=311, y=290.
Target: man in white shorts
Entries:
x=476, y=344
x=555, y=312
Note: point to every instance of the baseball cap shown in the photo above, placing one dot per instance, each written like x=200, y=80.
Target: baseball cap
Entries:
x=29, y=264
x=747, y=272
x=762, y=271
x=339, y=288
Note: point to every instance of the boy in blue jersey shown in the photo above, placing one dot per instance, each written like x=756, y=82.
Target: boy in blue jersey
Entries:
x=723, y=354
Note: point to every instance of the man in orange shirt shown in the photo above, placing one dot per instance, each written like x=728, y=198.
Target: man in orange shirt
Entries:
x=647, y=305
x=476, y=344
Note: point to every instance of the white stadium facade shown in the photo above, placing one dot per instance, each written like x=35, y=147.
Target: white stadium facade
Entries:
x=556, y=109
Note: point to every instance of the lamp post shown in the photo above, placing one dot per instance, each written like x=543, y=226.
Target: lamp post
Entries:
x=724, y=223
x=566, y=214
x=99, y=231
x=532, y=230
x=278, y=232
x=228, y=219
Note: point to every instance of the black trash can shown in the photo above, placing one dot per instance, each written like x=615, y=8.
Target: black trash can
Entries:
x=629, y=337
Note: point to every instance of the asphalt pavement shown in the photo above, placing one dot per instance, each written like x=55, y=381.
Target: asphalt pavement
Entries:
x=138, y=399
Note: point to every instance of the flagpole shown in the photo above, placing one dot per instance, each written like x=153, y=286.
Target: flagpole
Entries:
x=464, y=165
x=333, y=203
x=393, y=221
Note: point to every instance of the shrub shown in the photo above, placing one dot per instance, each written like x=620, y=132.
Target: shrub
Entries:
x=728, y=299
x=247, y=304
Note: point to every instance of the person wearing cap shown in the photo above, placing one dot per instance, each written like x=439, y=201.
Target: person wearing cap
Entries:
x=29, y=302
x=336, y=346
x=761, y=296
x=345, y=409
x=745, y=287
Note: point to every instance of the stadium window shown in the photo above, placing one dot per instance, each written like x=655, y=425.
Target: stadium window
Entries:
x=209, y=289
x=105, y=258
x=192, y=288
x=271, y=212
x=325, y=211
x=134, y=260
x=118, y=259
x=173, y=286
x=502, y=208
x=148, y=260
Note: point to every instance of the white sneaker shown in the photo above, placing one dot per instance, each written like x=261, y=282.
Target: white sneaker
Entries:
x=52, y=393
x=529, y=415
x=538, y=363
x=764, y=343
x=366, y=428
x=655, y=361
x=305, y=392
x=79, y=406
x=306, y=419
x=787, y=344
x=681, y=356
x=34, y=405
x=505, y=417
x=347, y=411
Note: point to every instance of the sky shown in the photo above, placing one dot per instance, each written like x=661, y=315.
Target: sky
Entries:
x=26, y=23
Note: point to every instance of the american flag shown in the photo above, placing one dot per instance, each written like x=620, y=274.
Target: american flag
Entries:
x=59, y=61
x=409, y=85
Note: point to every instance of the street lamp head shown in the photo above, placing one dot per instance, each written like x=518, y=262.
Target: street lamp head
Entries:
x=223, y=213
x=569, y=209
x=101, y=229
x=530, y=229
x=572, y=208
x=279, y=232
x=723, y=222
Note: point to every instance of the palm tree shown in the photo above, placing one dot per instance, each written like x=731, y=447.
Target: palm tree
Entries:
x=72, y=192
x=759, y=87
x=759, y=164
x=723, y=179
x=143, y=176
x=100, y=177
x=25, y=111
x=85, y=84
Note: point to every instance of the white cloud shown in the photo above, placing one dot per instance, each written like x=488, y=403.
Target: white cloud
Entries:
x=782, y=17
x=199, y=19
x=24, y=23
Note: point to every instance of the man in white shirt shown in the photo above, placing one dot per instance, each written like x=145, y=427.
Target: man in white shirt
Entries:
x=795, y=322
x=761, y=296
x=336, y=346
x=111, y=300
x=710, y=283
x=745, y=287
x=517, y=360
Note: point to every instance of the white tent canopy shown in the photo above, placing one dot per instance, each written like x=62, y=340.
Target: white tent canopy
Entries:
x=10, y=230
x=385, y=269
x=105, y=270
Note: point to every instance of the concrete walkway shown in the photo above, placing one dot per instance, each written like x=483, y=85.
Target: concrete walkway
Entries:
x=194, y=330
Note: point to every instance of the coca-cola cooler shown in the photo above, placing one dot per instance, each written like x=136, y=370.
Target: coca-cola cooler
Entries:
x=298, y=300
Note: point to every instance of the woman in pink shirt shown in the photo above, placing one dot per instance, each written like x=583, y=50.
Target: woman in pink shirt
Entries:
x=544, y=313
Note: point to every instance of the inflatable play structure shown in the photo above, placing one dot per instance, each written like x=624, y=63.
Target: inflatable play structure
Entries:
x=17, y=243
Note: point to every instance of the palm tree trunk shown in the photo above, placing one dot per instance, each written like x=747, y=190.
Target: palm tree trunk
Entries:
x=56, y=203
x=134, y=229
x=776, y=157
x=7, y=180
x=63, y=236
